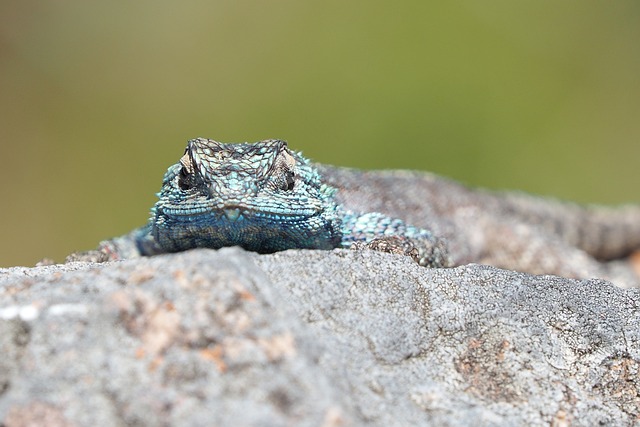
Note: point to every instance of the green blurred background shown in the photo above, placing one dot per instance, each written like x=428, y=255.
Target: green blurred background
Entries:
x=97, y=98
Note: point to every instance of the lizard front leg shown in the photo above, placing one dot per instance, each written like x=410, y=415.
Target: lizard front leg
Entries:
x=137, y=243
x=379, y=232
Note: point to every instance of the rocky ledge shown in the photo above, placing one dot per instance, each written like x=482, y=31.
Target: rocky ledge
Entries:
x=311, y=338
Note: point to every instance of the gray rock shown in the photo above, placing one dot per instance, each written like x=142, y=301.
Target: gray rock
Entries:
x=313, y=338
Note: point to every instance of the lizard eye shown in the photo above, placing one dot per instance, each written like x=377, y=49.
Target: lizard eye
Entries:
x=289, y=180
x=185, y=180
x=283, y=175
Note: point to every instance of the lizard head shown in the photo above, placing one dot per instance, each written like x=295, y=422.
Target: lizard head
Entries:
x=261, y=196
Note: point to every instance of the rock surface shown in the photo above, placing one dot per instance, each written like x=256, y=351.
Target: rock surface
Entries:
x=311, y=338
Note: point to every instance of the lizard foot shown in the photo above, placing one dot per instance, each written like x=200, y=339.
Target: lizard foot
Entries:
x=88, y=256
x=425, y=255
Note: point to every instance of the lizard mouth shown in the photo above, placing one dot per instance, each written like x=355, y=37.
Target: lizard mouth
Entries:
x=233, y=212
x=238, y=212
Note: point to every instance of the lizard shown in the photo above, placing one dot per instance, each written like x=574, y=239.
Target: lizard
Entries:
x=265, y=197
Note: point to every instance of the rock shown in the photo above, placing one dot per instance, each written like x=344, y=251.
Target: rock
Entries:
x=314, y=338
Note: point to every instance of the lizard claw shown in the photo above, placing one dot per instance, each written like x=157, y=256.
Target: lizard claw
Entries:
x=431, y=256
x=88, y=256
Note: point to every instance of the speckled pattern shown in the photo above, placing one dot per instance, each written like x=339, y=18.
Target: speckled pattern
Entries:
x=313, y=338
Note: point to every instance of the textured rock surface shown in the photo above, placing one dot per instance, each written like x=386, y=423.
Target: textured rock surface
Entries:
x=313, y=338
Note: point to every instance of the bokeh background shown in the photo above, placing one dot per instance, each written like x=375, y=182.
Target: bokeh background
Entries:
x=97, y=98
